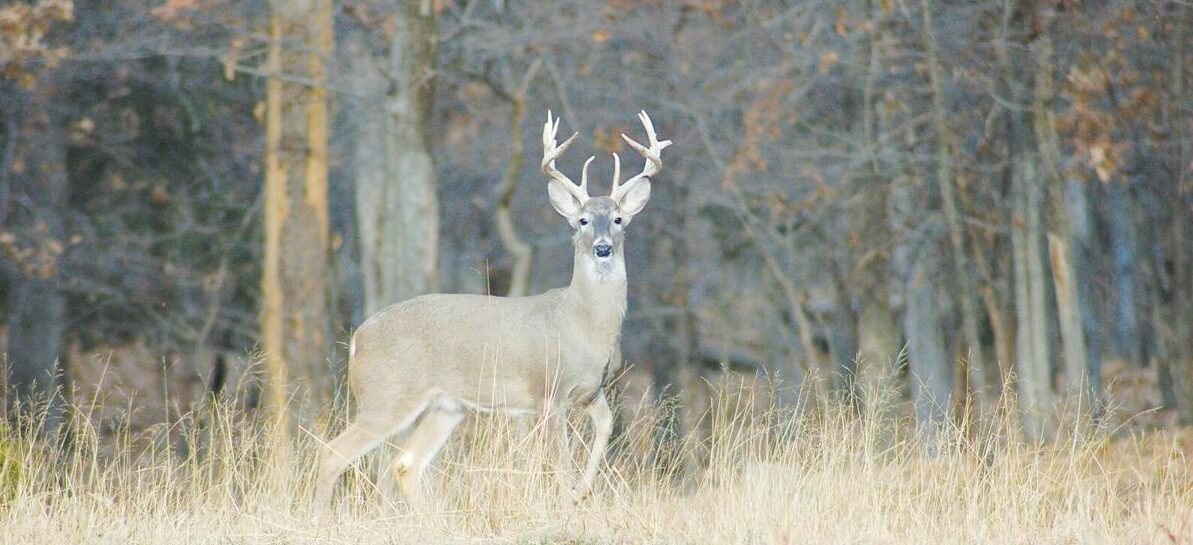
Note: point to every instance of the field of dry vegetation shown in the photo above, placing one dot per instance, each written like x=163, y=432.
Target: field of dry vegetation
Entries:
x=747, y=474
x=830, y=475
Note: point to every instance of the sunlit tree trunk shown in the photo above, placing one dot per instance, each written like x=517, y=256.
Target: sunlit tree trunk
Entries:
x=397, y=210
x=295, y=318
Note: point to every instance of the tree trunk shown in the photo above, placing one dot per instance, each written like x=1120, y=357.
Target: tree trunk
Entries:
x=1125, y=253
x=396, y=206
x=998, y=315
x=520, y=251
x=931, y=369
x=1081, y=231
x=1060, y=232
x=877, y=329
x=1182, y=272
x=675, y=376
x=1031, y=339
x=1078, y=382
x=37, y=307
x=977, y=376
x=842, y=341
x=668, y=366
x=878, y=336
x=295, y=319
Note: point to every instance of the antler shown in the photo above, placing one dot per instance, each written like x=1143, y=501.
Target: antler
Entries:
x=552, y=152
x=654, y=161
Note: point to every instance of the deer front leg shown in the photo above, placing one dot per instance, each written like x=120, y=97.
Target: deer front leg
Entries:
x=602, y=426
x=559, y=430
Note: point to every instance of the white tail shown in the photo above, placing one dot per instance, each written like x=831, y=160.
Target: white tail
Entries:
x=420, y=365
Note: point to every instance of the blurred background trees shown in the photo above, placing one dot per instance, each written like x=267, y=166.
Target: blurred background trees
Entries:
x=940, y=198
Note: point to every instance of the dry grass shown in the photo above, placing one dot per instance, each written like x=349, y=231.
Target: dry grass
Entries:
x=829, y=477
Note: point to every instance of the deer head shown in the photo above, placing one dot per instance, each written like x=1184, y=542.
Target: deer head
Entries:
x=600, y=221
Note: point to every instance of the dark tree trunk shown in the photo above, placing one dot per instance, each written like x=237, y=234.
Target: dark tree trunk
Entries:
x=674, y=389
x=843, y=343
x=1182, y=281
x=666, y=393
x=36, y=325
x=1125, y=253
x=35, y=332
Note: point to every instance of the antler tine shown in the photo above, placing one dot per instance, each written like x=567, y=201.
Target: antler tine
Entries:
x=584, y=175
x=616, y=174
x=551, y=152
x=653, y=155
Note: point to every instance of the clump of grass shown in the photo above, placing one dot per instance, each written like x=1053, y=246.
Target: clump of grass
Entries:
x=10, y=469
x=835, y=474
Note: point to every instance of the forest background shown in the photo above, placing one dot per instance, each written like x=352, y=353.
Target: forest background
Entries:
x=953, y=201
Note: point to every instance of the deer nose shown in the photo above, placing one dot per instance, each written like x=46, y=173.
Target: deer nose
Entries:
x=603, y=250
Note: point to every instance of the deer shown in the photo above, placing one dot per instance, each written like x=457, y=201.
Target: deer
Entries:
x=419, y=367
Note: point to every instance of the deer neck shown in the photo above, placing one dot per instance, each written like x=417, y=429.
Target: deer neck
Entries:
x=598, y=288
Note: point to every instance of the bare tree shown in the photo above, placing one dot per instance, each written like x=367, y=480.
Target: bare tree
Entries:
x=397, y=210
x=948, y=202
x=295, y=325
x=34, y=241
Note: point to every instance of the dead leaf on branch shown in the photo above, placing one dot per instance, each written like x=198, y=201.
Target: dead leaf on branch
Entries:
x=171, y=10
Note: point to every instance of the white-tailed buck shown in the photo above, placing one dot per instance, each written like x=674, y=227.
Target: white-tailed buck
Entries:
x=421, y=365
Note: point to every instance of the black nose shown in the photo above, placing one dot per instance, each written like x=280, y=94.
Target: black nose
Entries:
x=603, y=250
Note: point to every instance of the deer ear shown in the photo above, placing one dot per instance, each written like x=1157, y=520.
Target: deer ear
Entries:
x=564, y=202
x=634, y=200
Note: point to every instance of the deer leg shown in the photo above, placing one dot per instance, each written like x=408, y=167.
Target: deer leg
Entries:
x=602, y=426
x=420, y=448
x=367, y=431
x=561, y=430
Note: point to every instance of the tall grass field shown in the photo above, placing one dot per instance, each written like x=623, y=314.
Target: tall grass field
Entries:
x=833, y=474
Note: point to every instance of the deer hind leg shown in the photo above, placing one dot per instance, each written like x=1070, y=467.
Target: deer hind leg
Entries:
x=367, y=431
x=420, y=448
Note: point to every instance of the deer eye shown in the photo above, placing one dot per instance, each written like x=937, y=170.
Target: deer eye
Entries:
x=583, y=221
x=617, y=221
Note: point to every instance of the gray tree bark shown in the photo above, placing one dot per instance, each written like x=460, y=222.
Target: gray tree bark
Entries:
x=520, y=251
x=1031, y=339
x=931, y=370
x=1081, y=230
x=877, y=326
x=977, y=380
x=1125, y=254
x=397, y=208
x=1060, y=231
x=1182, y=273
